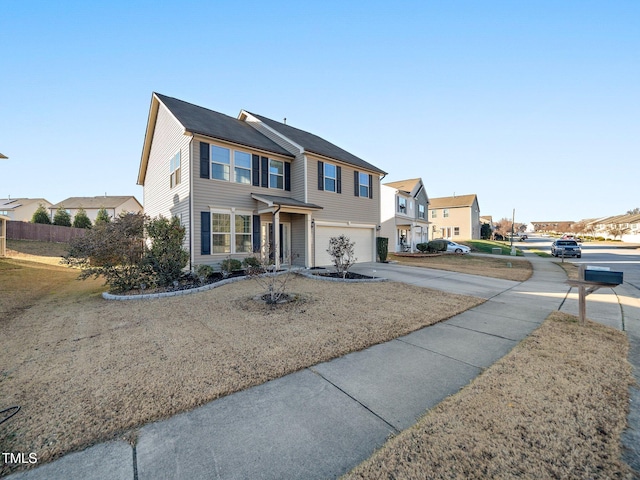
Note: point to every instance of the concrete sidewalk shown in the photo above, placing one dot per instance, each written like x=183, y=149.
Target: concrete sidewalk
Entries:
x=322, y=421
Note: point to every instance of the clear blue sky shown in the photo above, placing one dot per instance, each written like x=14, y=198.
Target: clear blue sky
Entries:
x=530, y=105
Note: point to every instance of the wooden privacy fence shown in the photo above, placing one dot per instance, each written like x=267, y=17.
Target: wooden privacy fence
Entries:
x=42, y=232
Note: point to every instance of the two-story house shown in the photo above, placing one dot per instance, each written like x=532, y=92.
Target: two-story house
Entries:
x=403, y=214
x=455, y=218
x=251, y=184
x=21, y=209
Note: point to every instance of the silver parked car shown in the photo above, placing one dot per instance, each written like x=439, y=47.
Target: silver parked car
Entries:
x=453, y=247
x=566, y=248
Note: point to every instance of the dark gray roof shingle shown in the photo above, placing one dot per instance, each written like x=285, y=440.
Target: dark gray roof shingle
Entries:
x=314, y=144
x=212, y=124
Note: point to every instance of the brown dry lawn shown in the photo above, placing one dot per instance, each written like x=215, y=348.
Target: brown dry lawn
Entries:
x=84, y=369
x=508, y=268
x=552, y=408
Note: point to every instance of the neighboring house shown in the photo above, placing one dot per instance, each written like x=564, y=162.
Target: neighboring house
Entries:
x=624, y=227
x=553, y=226
x=21, y=209
x=114, y=205
x=3, y=235
x=455, y=218
x=403, y=214
x=251, y=184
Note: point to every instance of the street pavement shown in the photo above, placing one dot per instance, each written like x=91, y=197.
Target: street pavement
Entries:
x=324, y=420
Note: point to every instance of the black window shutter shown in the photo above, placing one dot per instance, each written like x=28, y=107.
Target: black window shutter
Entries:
x=338, y=179
x=356, y=183
x=370, y=186
x=204, y=160
x=265, y=172
x=320, y=175
x=287, y=176
x=256, y=233
x=205, y=233
x=255, y=172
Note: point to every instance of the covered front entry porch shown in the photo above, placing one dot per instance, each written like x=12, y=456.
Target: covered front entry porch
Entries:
x=284, y=226
x=410, y=234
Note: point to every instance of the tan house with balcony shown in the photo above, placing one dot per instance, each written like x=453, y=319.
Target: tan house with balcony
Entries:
x=455, y=218
x=403, y=214
x=253, y=185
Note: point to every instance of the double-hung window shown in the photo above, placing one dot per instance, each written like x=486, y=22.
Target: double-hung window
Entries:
x=242, y=166
x=231, y=232
x=363, y=180
x=456, y=231
x=402, y=205
x=445, y=212
x=242, y=233
x=276, y=174
x=174, y=168
x=420, y=211
x=221, y=232
x=220, y=163
x=330, y=177
x=434, y=214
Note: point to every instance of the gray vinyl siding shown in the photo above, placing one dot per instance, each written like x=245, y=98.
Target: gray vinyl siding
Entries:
x=159, y=197
x=209, y=193
x=298, y=239
x=297, y=165
x=345, y=206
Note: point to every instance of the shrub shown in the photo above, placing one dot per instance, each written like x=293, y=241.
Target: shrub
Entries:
x=115, y=251
x=102, y=216
x=166, y=256
x=205, y=272
x=81, y=220
x=383, y=248
x=252, y=263
x=341, y=252
x=437, y=246
x=422, y=247
x=41, y=215
x=229, y=265
x=62, y=217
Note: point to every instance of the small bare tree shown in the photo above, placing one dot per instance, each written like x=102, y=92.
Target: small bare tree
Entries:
x=342, y=254
x=262, y=269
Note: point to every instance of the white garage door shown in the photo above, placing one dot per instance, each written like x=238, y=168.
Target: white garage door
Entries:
x=364, y=239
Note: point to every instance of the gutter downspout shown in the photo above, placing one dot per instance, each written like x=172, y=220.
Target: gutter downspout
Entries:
x=191, y=220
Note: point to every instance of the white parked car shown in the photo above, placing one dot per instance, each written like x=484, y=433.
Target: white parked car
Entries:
x=453, y=247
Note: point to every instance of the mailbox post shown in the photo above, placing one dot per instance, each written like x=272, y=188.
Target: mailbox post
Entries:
x=590, y=280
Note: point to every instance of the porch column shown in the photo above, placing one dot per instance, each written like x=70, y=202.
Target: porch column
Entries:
x=412, y=237
x=276, y=238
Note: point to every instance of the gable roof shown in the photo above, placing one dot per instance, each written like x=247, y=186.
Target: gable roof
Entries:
x=95, y=202
x=212, y=124
x=12, y=203
x=453, y=202
x=405, y=185
x=315, y=144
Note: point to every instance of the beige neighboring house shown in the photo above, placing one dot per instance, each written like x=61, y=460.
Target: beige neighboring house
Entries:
x=251, y=184
x=3, y=235
x=403, y=214
x=115, y=205
x=455, y=218
x=21, y=209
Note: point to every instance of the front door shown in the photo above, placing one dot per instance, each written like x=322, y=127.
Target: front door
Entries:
x=267, y=242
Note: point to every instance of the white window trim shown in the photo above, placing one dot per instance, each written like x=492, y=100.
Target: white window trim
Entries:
x=421, y=214
x=360, y=184
x=231, y=165
x=232, y=212
x=175, y=178
x=399, y=208
x=335, y=179
x=276, y=174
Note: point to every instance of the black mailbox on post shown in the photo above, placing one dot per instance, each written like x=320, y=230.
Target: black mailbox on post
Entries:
x=603, y=276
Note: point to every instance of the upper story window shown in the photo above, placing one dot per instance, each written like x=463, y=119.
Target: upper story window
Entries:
x=276, y=174
x=434, y=214
x=220, y=163
x=420, y=211
x=402, y=205
x=363, y=180
x=174, y=169
x=445, y=212
x=330, y=177
x=242, y=167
